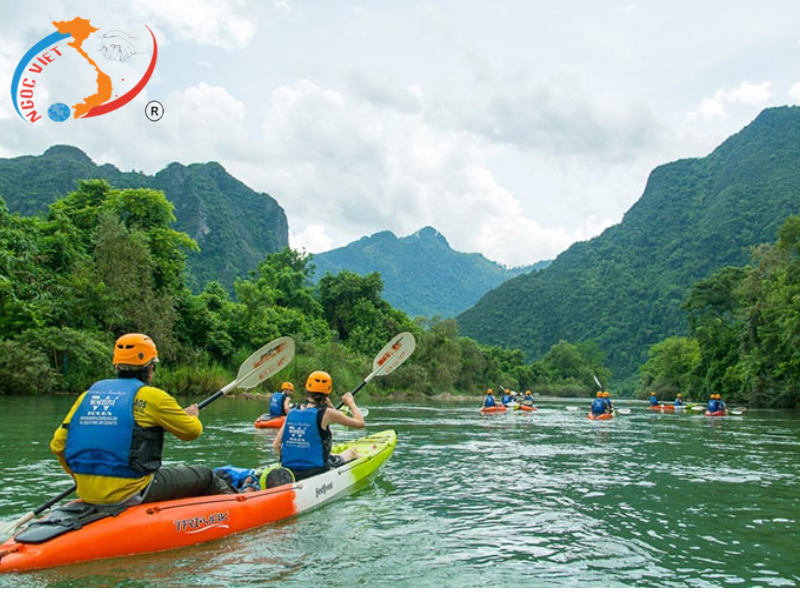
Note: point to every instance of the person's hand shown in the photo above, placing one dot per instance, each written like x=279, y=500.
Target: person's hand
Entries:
x=192, y=411
x=349, y=400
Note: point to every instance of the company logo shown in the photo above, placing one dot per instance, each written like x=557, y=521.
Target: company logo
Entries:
x=59, y=64
x=201, y=524
x=324, y=489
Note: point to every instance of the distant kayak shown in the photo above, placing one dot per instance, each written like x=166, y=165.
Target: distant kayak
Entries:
x=528, y=408
x=269, y=423
x=668, y=408
x=488, y=410
x=603, y=417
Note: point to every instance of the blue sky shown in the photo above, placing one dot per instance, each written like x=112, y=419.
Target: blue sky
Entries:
x=514, y=128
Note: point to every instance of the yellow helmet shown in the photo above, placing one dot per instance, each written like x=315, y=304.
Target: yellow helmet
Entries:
x=135, y=350
x=319, y=381
x=679, y=396
x=528, y=392
x=287, y=385
x=489, y=391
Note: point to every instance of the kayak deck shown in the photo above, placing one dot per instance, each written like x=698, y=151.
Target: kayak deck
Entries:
x=159, y=526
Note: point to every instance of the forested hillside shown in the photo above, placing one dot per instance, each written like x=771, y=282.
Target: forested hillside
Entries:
x=422, y=274
x=233, y=226
x=625, y=288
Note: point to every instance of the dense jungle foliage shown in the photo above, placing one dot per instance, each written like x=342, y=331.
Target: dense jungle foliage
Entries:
x=744, y=328
x=246, y=224
x=105, y=261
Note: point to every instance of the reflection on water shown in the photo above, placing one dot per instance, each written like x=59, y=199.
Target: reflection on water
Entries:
x=510, y=500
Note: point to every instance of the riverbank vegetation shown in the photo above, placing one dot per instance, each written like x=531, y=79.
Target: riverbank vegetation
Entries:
x=744, y=328
x=105, y=261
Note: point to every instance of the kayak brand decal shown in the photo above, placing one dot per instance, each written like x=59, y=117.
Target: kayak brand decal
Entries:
x=324, y=489
x=201, y=524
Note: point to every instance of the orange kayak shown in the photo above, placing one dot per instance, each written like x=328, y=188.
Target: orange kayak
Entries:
x=603, y=417
x=488, y=410
x=172, y=524
x=528, y=408
x=273, y=423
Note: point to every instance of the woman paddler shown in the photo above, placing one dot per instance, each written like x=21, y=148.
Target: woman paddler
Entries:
x=304, y=442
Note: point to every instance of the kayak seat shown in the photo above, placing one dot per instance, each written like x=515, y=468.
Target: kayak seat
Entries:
x=66, y=518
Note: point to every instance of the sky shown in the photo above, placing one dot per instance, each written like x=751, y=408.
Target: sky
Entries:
x=515, y=128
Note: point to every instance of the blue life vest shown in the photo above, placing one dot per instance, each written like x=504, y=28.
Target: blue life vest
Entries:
x=276, y=404
x=528, y=398
x=507, y=399
x=302, y=446
x=598, y=406
x=653, y=401
x=103, y=437
x=489, y=401
x=678, y=402
x=713, y=406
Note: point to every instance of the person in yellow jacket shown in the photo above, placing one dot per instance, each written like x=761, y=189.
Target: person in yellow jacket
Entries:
x=112, y=439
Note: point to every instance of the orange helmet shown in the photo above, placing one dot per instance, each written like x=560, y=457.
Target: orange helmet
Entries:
x=319, y=381
x=606, y=394
x=528, y=392
x=508, y=391
x=135, y=350
x=599, y=394
x=287, y=385
x=489, y=391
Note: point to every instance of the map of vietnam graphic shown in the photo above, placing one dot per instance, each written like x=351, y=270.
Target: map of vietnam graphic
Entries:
x=80, y=29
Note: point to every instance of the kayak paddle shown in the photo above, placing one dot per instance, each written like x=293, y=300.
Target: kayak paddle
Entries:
x=261, y=365
x=391, y=356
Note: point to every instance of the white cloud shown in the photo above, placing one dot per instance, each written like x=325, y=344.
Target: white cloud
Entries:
x=313, y=239
x=746, y=93
x=794, y=92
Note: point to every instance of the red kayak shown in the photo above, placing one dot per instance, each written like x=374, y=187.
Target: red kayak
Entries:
x=488, y=410
x=269, y=423
x=528, y=408
x=718, y=413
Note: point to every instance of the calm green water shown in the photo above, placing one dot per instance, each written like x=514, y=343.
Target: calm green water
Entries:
x=514, y=500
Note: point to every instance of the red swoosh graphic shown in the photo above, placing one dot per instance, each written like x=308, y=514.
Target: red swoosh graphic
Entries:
x=123, y=100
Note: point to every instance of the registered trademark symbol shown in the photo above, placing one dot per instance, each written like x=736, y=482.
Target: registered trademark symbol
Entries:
x=154, y=110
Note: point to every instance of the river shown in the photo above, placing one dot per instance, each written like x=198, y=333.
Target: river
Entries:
x=544, y=499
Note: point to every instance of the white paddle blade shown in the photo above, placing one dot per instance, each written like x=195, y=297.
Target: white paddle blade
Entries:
x=265, y=362
x=394, y=353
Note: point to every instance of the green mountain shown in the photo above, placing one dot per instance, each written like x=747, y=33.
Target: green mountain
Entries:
x=422, y=274
x=625, y=288
x=234, y=226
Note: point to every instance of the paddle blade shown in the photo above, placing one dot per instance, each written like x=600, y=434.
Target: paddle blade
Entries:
x=265, y=362
x=394, y=354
